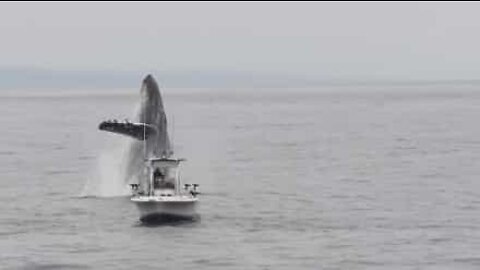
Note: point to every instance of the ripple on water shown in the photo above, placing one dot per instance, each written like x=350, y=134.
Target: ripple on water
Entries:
x=54, y=266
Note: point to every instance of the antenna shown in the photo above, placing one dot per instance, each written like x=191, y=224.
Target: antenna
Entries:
x=147, y=171
x=144, y=141
x=173, y=133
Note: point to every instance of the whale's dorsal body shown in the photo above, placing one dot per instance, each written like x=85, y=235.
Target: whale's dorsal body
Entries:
x=149, y=129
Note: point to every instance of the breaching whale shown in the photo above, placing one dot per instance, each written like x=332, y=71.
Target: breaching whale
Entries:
x=149, y=128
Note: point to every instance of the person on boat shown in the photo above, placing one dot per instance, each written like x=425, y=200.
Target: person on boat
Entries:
x=158, y=178
x=160, y=181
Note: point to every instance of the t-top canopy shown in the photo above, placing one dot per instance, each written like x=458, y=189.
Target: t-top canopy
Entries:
x=165, y=162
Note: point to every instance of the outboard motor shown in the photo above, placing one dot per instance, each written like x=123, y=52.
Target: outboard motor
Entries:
x=195, y=192
x=192, y=189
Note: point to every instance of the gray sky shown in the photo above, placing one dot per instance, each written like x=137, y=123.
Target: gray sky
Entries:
x=337, y=40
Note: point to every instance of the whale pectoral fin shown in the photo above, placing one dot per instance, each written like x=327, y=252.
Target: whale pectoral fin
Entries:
x=139, y=131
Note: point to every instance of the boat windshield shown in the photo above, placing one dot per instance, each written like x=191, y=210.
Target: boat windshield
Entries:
x=164, y=178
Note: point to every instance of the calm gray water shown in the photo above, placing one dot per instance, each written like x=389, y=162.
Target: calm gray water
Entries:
x=331, y=178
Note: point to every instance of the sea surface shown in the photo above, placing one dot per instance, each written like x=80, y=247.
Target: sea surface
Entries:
x=336, y=177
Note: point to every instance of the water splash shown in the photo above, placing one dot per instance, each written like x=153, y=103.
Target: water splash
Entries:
x=108, y=178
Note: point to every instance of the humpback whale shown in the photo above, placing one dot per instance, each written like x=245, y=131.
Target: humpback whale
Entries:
x=149, y=129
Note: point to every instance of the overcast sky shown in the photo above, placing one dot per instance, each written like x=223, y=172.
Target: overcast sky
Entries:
x=339, y=40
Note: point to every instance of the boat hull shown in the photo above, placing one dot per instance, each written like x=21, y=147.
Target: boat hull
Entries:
x=154, y=208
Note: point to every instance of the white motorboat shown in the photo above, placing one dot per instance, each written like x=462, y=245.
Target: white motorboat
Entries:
x=163, y=196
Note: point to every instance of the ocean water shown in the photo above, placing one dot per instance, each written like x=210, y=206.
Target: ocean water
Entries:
x=351, y=177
